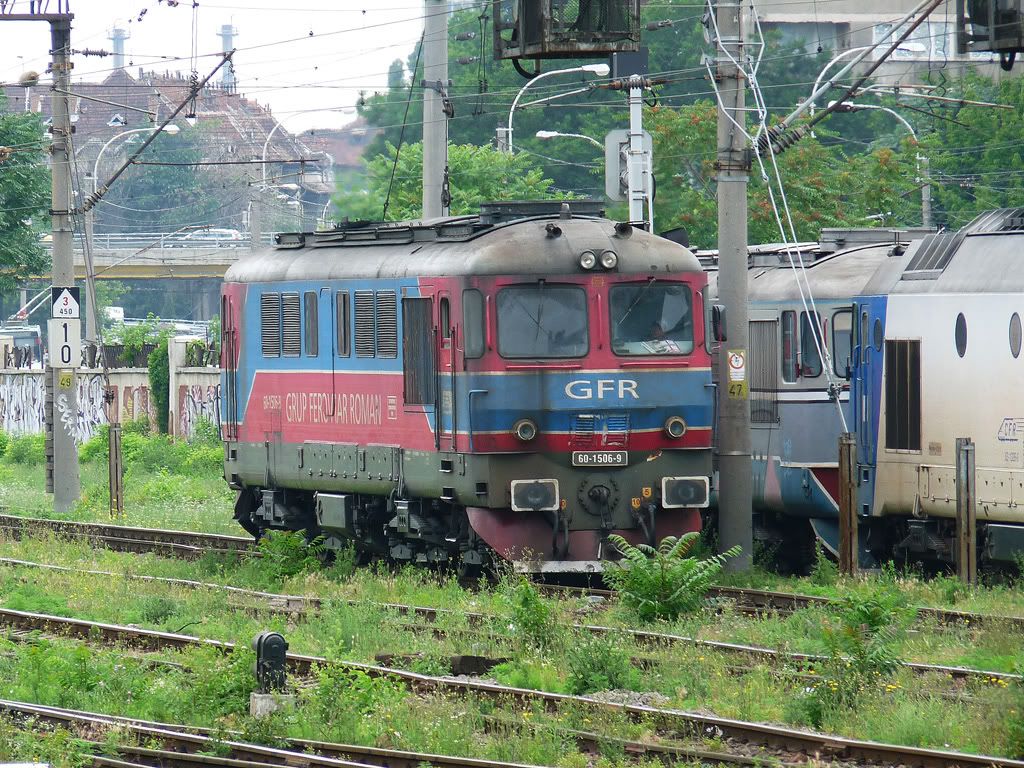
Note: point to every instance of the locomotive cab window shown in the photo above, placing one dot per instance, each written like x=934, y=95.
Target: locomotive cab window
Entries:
x=542, y=321
x=651, y=318
x=842, y=342
x=473, y=322
x=312, y=325
x=810, y=344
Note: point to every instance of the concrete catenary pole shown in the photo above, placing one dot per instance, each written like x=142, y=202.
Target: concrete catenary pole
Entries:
x=733, y=166
x=62, y=408
x=637, y=168
x=435, y=123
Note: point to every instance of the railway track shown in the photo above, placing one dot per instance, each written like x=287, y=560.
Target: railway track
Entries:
x=184, y=747
x=673, y=723
x=299, y=604
x=187, y=544
x=183, y=544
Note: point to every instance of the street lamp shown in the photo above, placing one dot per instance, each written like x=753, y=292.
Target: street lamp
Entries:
x=926, y=187
x=601, y=70
x=559, y=134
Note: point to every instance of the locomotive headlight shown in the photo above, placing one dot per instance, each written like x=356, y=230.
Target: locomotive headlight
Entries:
x=679, y=492
x=675, y=427
x=588, y=259
x=609, y=259
x=525, y=430
x=534, y=495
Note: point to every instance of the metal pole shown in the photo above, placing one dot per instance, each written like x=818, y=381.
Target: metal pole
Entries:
x=435, y=123
x=62, y=411
x=636, y=155
x=849, y=547
x=733, y=166
x=926, y=193
x=966, y=513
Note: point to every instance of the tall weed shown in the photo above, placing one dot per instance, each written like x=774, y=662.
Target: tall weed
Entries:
x=663, y=583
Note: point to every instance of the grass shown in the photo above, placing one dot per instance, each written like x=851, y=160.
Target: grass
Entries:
x=682, y=676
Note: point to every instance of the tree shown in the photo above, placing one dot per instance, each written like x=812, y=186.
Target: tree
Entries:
x=477, y=174
x=24, y=197
x=164, y=198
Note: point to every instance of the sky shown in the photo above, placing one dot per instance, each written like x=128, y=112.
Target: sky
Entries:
x=293, y=55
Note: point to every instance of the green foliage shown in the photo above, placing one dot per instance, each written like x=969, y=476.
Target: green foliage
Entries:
x=351, y=702
x=1015, y=716
x=862, y=641
x=478, y=174
x=531, y=616
x=531, y=673
x=287, y=553
x=59, y=748
x=663, y=583
x=5, y=440
x=222, y=683
x=26, y=449
x=205, y=433
x=597, y=663
x=24, y=196
x=160, y=382
x=824, y=572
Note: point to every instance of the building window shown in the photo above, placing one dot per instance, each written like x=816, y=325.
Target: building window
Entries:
x=312, y=324
x=903, y=395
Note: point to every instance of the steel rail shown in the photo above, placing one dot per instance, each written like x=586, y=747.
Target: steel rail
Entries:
x=183, y=743
x=293, y=604
x=176, y=543
x=672, y=720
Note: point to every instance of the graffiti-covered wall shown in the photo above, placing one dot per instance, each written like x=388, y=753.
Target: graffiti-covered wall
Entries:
x=23, y=400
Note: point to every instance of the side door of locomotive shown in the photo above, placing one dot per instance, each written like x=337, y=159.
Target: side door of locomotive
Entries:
x=446, y=354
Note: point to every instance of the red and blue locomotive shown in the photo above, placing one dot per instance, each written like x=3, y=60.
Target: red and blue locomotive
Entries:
x=523, y=382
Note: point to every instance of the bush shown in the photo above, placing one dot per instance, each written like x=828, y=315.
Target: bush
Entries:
x=663, y=583
x=596, y=663
x=205, y=432
x=5, y=440
x=26, y=449
x=287, y=553
x=160, y=382
x=96, y=448
x=531, y=616
x=824, y=572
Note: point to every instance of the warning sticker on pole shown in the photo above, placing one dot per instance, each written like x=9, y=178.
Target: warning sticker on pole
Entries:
x=737, y=359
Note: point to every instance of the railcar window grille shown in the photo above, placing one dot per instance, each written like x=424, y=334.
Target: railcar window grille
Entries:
x=810, y=342
x=789, y=370
x=387, y=324
x=270, y=324
x=473, y=322
x=291, y=325
x=312, y=324
x=903, y=395
x=764, y=372
x=418, y=351
x=366, y=325
x=842, y=342
x=341, y=311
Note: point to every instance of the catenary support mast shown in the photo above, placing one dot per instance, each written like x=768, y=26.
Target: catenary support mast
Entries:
x=435, y=121
x=733, y=166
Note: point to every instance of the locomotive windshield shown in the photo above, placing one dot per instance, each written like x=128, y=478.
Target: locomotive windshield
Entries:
x=652, y=318
x=541, y=320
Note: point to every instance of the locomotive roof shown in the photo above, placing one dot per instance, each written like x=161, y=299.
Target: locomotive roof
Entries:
x=983, y=257
x=835, y=276
x=467, y=245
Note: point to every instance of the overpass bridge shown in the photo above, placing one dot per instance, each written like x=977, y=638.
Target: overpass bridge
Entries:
x=158, y=256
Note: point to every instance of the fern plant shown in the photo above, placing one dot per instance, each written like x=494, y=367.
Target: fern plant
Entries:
x=663, y=583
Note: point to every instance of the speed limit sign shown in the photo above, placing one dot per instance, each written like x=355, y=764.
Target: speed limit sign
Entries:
x=65, y=345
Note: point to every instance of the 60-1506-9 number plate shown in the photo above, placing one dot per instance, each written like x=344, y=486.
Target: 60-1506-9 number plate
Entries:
x=599, y=458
